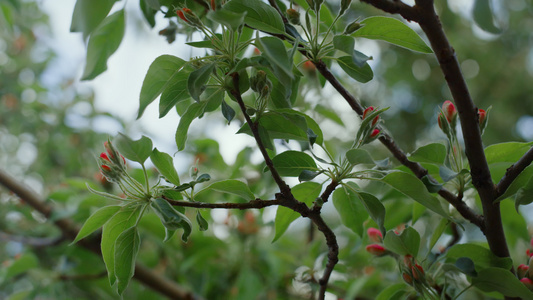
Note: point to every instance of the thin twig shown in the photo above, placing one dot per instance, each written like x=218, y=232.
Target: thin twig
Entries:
x=144, y=275
x=513, y=172
x=257, y=203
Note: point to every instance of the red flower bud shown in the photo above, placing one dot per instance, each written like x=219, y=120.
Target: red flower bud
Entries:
x=103, y=156
x=374, y=235
x=181, y=15
x=418, y=272
x=213, y=5
x=407, y=278
x=368, y=111
x=309, y=66
x=375, y=133
x=527, y=282
x=105, y=168
x=376, y=249
x=257, y=51
x=449, y=111
x=529, y=253
x=522, y=270
x=408, y=261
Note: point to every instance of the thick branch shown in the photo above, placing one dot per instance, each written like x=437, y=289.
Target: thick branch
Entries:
x=513, y=172
x=146, y=276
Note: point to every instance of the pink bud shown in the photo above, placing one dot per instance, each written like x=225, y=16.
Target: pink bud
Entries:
x=527, y=282
x=408, y=261
x=374, y=235
x=375, y=133
x=482, y=115
x=376, y=249
x=105, y=168
x=522, y=270
x=529, y=253
x=449, y=111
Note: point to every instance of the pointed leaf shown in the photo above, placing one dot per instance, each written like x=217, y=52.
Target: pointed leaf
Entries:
x=408, y=242
x=202, y=223
x=292, y=163
x=227, y=112
x=392, y=31
x=503, y=281
x=160, y=74
x=88, y=14
x=171, y=218
x=305, y=192
x=165, y=165
x=96, y=220
x=230, y=19
x=350, y=208
x=194, y=111
x=412, y=187
x=138, y=150
x=359, y=156
x=481, y=256
x=484, y=17
x=434, y=153
x=126, y=250
x=375, y=209
x=175, y=90
x=122, y=220
x=362, y=74
x=259, y=15
x=346, y=44
x=231, y=186
x=103, y=42
x=197, y=80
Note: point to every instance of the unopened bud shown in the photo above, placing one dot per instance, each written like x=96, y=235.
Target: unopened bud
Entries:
x=449, y=112
x=376, y=250
x=368, y=111
x=374, y=235
x=483, y=119
x=522, y=270
x=345, y=4
x=407, y=278
x=258, y=81
x=418, y=272
x=528, y=283
x=352, y=27
x=293, y=16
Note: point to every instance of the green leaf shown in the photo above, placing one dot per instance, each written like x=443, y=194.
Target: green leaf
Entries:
x=27, y=261
x=346, y=44
x=393, y=292
x=148, y=11
x=122, y=220
x=483, y=16
x=231, y=186
x=437, y=233
x=305, y=192
x=413, y=188
x=160, y=75
x=503, y=281
x=171, y=218
x=96, y=220
x=307, y=175
x=227, y=111
x=330, y=114
x=165, y=165
x=481, y=256
x=506, y=152
x=197, y=80
x=202, y=223
x=408, y=242
x=275, y=52
x=375, y=209
x=434, y=153
x=138, y=150
x=230, y=19
x=88, y=14
x=350, y=208
x=466, y=265
x=362, y=74
x=259, y=15
x=194, y=111
x=175, y=90
x=524, y=194
x=126, y=250
x=359, y=156
x=292, y=163
x=103, y=42
x=392, y=31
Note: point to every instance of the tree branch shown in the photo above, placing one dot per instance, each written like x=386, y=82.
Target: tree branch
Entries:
x=395, y=7
x=257, y=203
x=144, y=275
x=286, y=198
x=38, y=242
x=513, y=172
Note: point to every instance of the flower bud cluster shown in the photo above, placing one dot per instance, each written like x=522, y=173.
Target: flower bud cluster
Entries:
x=412, y=272
x=371, y=133
x=525, y=272
x=261, y=85
x=447, y=118
x=189, y=17
x=112, y=164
